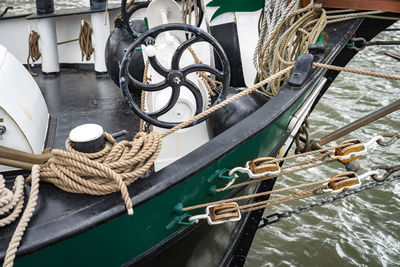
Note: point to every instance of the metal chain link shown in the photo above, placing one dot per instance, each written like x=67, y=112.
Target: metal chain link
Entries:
x=276, y=217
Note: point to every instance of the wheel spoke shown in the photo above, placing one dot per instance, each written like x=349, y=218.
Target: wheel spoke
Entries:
x=156, y=65
x=202, y=67
x=171, y=103
x=196, y=93
x=148, y=87
x=181, y=48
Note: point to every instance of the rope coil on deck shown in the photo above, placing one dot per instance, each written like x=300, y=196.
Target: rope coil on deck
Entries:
x=112, y=169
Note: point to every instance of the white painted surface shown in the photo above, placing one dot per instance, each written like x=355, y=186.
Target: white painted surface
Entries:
x=22, y=107
x=247, y=26
x=48, y=45
x=101, y=31
x=183, y=141
x=15, y=35
x=68, y=28
x=86, y=132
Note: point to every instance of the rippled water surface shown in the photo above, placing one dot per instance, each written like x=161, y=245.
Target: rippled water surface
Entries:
x=359, y=230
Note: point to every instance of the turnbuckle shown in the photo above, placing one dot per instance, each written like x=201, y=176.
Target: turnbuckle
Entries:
x=220, y=213
x=354, y=149
x=346, y=180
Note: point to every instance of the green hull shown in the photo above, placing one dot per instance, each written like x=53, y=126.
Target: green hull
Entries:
x=126, y=237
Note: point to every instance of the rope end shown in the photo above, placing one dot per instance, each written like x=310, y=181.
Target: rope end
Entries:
x=130, y=211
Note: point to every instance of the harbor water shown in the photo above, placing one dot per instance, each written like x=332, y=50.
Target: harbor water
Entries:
x=361, y=230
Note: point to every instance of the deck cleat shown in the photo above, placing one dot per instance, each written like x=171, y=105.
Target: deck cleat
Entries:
x=354, y=149
x=220, y=213
x=346, y=180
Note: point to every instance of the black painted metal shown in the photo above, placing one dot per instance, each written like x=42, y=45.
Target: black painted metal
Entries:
x=301, y=70
x=44, y=7
x=234, y=112
x=227, y=35
x=174, y=77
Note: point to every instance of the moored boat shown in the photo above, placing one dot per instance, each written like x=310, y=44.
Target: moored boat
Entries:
x=95, y=230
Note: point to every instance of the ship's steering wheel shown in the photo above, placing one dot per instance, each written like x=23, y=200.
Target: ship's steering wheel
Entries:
x=175, y=77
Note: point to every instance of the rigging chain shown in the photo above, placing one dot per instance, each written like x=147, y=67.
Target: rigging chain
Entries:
x=341, y=185
x=348, y=143
x=276, y=217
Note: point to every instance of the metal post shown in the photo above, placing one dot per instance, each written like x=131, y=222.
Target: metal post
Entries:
x=44, y=7
x=360, y=122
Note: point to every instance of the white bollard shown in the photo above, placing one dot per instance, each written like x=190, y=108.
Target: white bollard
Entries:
x=48, y=45
x=101, y=31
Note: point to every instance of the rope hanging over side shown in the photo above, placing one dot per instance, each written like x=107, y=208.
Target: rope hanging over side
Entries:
x=26, y=217
x=33, y=51
x=11, y=200
x=109, y=170
x=85, y=41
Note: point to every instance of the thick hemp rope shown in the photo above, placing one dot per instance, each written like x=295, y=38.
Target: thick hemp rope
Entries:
x=103, y=172
x=33, y=51
x=11, y=201
x=85, y=41
x=26, y=216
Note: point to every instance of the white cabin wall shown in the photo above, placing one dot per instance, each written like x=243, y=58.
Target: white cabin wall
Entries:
x=14, y=35
x=68, y=28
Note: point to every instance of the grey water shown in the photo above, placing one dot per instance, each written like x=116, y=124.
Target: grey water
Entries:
x=360, y=230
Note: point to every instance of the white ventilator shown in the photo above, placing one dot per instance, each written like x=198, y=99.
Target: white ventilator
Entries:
x=23, y=111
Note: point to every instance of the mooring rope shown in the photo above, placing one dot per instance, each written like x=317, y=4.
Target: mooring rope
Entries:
x=85, y=41
x=113, y=168
x=26, y=216
x=33, y=50
x=10, y=200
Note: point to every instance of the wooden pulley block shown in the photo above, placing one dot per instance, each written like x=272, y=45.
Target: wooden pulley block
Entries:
x=350, y=152
x=264, y=165
x=346, y=180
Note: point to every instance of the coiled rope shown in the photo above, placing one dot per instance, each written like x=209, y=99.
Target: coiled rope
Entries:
x=33, y=50
x=85, y=41
x=112, y=169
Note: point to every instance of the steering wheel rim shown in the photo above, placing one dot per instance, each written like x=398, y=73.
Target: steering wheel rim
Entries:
x=127, y=14
x=176, y=76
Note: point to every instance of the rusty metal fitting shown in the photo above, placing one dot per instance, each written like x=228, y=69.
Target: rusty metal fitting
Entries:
x=392, y=138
